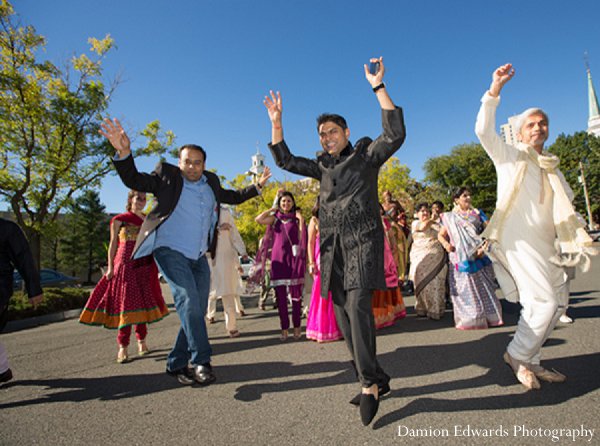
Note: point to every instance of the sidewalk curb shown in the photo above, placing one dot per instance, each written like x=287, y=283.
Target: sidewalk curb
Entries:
x=31, y=322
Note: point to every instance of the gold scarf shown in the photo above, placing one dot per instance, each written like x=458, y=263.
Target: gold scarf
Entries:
x=574, y=243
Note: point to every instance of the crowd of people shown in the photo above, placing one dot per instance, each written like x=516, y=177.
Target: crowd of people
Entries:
x=359, y=248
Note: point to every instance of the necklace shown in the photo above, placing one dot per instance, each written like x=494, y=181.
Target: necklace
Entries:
x=464, y=214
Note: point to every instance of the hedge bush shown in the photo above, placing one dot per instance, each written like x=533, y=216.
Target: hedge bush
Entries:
x=55, y=300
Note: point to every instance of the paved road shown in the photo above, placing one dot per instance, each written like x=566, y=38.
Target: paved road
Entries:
x=68, y=389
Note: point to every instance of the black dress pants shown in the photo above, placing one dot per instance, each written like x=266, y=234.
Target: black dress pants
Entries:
x=354, y=317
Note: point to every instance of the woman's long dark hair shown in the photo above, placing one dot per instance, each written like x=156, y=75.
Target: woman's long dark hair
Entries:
x=315, y=210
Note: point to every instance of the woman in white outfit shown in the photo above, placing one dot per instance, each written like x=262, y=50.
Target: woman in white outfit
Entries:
x=225, y=279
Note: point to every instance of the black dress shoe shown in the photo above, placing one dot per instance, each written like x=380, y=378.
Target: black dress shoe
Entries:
x=184, y=376
x=203, y=374
x=6, y=376
x=368, y=408
x=383, y=389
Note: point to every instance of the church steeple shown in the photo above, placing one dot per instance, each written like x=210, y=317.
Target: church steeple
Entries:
x=594, y=109
x=258, y=164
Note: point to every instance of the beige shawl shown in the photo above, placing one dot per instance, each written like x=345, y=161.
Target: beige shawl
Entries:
x=574, y=244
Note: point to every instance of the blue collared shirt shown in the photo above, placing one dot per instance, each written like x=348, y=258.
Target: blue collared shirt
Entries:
x=192, y=223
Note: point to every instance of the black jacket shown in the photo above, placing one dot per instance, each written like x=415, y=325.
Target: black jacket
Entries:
x=349, y=208
x=166, y=183
x=15, y=253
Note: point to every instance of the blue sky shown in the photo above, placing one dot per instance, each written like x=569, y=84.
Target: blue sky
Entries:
x=203, y=67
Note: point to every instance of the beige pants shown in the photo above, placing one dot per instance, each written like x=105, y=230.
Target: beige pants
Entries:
x=230, y=307
x=538, y=319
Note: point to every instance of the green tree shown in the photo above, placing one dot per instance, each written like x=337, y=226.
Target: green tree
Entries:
x=86, y=234
x=466, y=165
x=245, y=213
x=427, y=193
x=584, y=148
x=49, y=119
x=393, y=176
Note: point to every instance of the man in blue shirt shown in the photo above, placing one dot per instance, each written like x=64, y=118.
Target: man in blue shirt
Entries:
x=179, y=231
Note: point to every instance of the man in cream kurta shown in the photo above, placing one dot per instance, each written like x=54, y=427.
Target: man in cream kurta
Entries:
x=525, y=232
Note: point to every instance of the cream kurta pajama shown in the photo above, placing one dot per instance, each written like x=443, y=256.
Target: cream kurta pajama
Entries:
x=527, y=239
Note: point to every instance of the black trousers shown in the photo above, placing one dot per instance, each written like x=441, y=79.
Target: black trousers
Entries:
x=354, y=317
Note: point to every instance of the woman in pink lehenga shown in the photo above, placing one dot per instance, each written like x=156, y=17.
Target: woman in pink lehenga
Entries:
x=321, y=325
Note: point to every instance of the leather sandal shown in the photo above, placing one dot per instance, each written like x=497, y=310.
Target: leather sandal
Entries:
x=522, y=372
x=553, y=376
x=284, y=336
x=297, y=333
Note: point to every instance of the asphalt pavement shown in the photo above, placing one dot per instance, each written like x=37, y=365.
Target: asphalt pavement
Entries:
x=449, y=387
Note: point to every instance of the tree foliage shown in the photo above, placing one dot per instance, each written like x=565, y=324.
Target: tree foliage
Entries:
x=466, y=165
x=85, y=236
x=584, y=148
x=305, y=193
x=393, y=176
x=50, y=148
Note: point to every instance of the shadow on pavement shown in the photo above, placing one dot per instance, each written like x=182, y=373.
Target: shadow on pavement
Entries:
x=101, y=388
x=580, y=370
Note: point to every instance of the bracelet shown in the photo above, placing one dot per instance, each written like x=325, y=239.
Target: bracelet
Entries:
x=378, y=87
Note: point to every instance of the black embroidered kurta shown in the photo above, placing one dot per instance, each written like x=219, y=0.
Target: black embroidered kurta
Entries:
x=349, y=207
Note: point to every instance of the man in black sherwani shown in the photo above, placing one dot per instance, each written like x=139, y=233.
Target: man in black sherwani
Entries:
x=350, y=224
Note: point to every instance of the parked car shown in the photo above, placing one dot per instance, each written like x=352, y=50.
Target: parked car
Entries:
x=48, y=278
x=246, y=265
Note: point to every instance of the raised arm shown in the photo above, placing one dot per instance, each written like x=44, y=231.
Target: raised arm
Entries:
x=376, y=81
x=394, y=131
x=266, y=218
x=422, y=226
x=282, y=155
x=264, y=178
x=500, y=77
x=124, y=163
x=485, y=127
x=275, y=109
x=113, y=131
